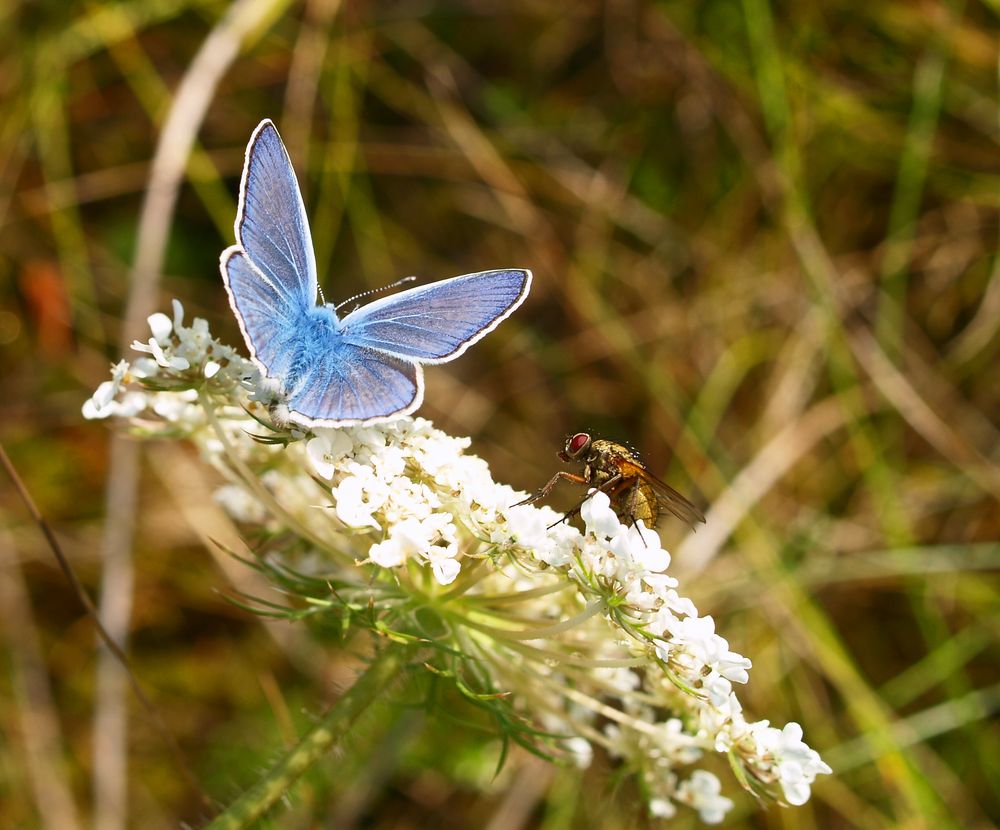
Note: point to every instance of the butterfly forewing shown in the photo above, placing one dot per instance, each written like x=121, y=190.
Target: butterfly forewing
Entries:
x=437, y=322
x=271, y=225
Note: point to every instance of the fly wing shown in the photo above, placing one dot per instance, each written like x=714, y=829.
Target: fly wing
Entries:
x=353, y=385
x=271, y=223
x=673, y=501
x=437, y=322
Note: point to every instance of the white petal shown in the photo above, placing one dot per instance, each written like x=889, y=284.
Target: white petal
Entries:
x=598, y=516
x=92, y=411
x=445, y=570
x=388, y=554
x=161, y=326
x=105, y=394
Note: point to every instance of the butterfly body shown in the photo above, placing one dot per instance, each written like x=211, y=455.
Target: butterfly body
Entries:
x=366, y=366
x=316, y=340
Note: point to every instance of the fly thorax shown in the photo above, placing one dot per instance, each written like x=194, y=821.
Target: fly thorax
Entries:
x=596, y=475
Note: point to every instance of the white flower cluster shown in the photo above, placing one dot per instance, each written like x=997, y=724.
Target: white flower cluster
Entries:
x=586, y=629
x=181, y=358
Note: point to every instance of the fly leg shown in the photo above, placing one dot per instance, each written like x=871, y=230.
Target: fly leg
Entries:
x=608, y=487
x=544, y=491
x=633, y=502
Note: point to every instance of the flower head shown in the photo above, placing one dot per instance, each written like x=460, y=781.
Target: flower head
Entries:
x=582, y=635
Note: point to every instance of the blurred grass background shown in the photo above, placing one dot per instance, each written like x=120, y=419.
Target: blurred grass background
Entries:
x=764, y=239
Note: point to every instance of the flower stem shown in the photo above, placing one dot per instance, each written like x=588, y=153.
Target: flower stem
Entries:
x=540, y=632
x=253, y=482
x=333, y=726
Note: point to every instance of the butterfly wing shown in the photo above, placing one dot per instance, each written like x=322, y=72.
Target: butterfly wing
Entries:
x=270, y=324
x=271, y=223
x=437, y=322
x=270, y=273
x=347, y=384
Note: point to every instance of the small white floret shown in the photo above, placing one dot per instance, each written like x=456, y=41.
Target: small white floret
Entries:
x=161, y=326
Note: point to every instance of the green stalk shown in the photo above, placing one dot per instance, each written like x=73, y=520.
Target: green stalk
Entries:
x=334, y=725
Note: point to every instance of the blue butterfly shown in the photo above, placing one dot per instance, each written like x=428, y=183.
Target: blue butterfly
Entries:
x=361, y=369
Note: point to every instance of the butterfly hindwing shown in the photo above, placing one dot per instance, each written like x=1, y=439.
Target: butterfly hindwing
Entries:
x=353, y=384
x=270, y=324
x=437, y=322
x=271, y=224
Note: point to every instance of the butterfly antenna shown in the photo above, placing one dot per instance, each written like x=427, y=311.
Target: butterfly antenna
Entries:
x=322, y=299
x=368, y=293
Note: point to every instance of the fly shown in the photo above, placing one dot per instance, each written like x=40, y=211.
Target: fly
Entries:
x=608, y=467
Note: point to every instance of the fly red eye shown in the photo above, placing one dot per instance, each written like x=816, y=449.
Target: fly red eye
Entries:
x=577, y=443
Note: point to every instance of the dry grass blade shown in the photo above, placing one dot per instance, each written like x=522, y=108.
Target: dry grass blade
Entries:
x=921, y=416
x=187, y=111
x=754, y=481
x=40, y=729
x=108, y=641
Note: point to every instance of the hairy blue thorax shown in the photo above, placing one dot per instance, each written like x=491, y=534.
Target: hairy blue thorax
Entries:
x=314, y=342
